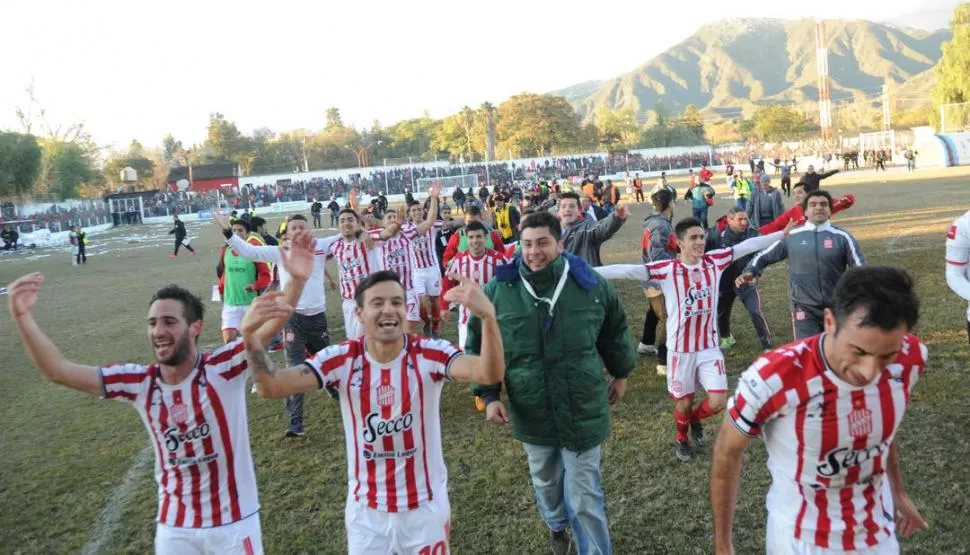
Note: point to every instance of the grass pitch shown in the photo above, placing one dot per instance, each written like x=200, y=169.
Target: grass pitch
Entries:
x=77, y=472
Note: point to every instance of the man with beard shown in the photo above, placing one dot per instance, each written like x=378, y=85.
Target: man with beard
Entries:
x=355, y=259
x=391, y=384
x=306, y=330
x=818, y=254
x=193, y=405
x=582, y=236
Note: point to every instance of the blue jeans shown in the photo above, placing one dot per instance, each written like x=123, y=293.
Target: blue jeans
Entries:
x=741, y=203
x=609, y=209
x=568, y=493
x=701, y=214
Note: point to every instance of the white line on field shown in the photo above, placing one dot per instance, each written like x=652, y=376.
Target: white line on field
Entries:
x=891, y=243
x=110, y=517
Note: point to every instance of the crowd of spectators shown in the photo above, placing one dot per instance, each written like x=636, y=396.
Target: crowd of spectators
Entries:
x=56, y=218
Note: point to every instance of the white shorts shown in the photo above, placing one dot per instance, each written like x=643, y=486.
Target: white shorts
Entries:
x=463, y=317
x=427, y=281
x=780, y=540
x=352, y=326
x=424, y=530
x=686, y=370
x=232, y=316
x=243, y=537
x=413, y=306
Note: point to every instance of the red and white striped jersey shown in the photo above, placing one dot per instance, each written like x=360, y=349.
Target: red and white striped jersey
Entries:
x=395, y=255
x=422, y=246
x=353, y=263
x=481, y=269
x=203, y=463
x=392, y=421
x=690, y=295
x=828, y=441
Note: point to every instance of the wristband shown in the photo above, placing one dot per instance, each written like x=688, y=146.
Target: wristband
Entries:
x=227, y=233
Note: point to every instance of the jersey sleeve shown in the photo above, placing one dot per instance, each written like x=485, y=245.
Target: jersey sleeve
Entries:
x=329, y=365
x=721, y=258
x=230, y=361
x=958, y=258
x=760, y=395
x=124, y=382
x=441, y=354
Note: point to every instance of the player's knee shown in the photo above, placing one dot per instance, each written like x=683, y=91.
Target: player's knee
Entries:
x=684, y=404
x=717, y=402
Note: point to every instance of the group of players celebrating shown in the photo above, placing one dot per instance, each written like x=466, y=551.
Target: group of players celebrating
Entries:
x=828, y=405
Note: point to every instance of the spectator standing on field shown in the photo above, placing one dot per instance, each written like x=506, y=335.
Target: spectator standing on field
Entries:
x=334, y=209
x=315, y=210
x=701, y=198
x=765, y=205
x=785, y=176
x=562, y=419
x=813, y=180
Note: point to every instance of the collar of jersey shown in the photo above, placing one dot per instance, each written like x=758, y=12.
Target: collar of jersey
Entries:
x=823, y=226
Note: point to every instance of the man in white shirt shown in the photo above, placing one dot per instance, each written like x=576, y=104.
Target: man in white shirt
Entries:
x=958, y=258
x=306, y=331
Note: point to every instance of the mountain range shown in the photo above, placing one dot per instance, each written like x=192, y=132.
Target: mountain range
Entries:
x=730, y=67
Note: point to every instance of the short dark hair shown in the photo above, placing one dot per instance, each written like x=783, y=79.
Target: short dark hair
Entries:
x=242, y=223
x=543, y=219
x=192, y=308
x=661, y=199
x=476, y=226
x=884, y=292
x=801, y=184
x=292, y=217
x=371, y=281
x=683, y=225
x=569, y=194
x=413, y=203
x=348, y=211
x=256, y=221
x=474, y=210
x=813, y=194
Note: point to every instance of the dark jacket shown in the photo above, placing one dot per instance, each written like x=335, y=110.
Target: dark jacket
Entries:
x=727, y=237
x=584, y=237
x=817, y=258
x=765, y=207
x=812, y=181
x=656, y=236
x=554, y=378
x=178, y=230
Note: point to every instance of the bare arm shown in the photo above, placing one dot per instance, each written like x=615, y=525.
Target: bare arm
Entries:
x=725, y=478
x=489, y=366
x=956, y=271
x=424, y=226
x=41, y=350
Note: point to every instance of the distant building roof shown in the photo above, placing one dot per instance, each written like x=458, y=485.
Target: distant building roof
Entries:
x=208, y=171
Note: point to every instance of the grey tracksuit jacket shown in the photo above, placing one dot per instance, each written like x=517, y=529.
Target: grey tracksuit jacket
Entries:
x=817, y=258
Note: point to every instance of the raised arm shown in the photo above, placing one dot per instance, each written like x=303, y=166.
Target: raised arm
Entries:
x=755, y=244
x=262, y=253
x=957, y=259
x=22, y=296
x=624, y=271
x=489, y=366
x=434, y=192
x=827, y=174
x=608, y=226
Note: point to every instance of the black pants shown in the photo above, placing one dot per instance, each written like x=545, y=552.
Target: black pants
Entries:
x=751, y=299
x=82, y=257
x=656, y=322
x=316, y=219
x=786, y=186
x=806, y=321
x=639, y=195
x=303, y=336
x=178, y=243
x=880, y=164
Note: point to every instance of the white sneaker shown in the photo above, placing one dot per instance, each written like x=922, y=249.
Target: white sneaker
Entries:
x=646, y=349
x=661, y=369
x=253, y=390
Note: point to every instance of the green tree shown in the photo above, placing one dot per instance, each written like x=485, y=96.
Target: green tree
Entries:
x=172, y=151
x=536, y=124
x=138, y=159
x=667, y=131
x=413, y=137
x=334, y=120
x=224, y=140
x=68, y=168
x=486, y=115
x=20, y=163
x=953, y=70
x=618, y=129
x=693, y=122
x=774, y=123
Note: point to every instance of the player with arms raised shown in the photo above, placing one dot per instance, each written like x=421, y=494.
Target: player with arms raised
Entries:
x=353, y=256
x=958, y=260
x=691, y=288
x=390, y=392
x=829, y=407
x=192, y=404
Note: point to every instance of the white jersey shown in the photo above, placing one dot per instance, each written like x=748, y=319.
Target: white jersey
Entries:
x=395, y=255
x=422, y=246
x=200, y=433
x=353, y=264
x=392, y=420
x=827, y=441
x=313, y=300
x=481, y=270
x=958, y=257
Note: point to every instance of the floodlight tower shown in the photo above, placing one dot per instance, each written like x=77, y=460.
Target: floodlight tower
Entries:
x=824, y=100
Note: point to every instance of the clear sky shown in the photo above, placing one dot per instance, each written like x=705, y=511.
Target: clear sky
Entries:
x=142, y=69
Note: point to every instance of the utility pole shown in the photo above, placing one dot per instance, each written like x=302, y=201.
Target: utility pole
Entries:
x=822, y=62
